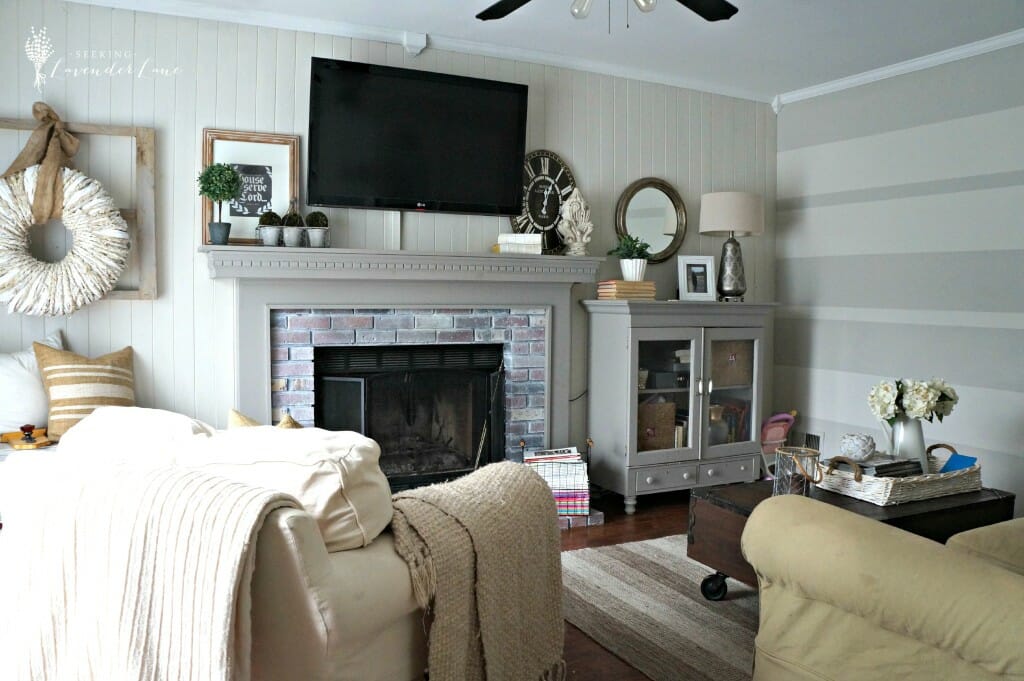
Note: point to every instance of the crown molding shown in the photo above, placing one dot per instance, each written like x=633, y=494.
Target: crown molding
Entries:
x=414, y=42
x=974, y=49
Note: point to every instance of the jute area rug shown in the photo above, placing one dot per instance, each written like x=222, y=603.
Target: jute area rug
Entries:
x=642, y=601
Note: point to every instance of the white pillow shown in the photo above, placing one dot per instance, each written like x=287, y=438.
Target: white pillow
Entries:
x=336, y=476
x=22, y=395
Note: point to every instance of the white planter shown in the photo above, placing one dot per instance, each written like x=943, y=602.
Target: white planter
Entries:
x=633, y=269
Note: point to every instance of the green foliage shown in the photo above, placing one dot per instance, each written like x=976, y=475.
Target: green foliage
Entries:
x=630, y=248
x=220, y=182
x=316, y=219
x=270, y=219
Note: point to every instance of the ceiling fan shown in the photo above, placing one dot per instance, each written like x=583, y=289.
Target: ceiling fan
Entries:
x=709, y=10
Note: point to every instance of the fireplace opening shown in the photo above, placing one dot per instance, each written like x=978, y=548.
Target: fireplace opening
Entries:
x=437, y=411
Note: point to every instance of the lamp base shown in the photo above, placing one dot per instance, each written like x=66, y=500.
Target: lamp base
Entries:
x=732, y=283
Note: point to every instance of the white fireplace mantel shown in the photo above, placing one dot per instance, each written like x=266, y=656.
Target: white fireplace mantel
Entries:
x=261, y=262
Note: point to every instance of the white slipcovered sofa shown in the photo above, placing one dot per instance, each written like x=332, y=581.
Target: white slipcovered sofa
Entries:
x=330, y=599
x=341, y=616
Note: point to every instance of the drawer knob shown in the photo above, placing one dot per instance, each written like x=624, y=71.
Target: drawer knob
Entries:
x=650, y=480
x=743, y=467
x=711, y=472
x=686, y=476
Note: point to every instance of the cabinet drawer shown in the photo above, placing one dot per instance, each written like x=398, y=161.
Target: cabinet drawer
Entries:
x=655, y=478
x=722, y=472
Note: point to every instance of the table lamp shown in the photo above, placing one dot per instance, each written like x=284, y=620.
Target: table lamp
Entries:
x=731, y=214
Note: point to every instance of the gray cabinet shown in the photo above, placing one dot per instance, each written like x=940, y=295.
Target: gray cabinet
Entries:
x=675, y=394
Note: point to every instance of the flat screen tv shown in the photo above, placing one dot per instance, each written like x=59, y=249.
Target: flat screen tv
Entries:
x=391, y=138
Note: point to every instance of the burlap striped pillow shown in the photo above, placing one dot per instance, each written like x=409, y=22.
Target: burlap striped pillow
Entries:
x=76, y=385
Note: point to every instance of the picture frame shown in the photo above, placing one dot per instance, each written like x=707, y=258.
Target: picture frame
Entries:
x=269, y=165
x=696, y=277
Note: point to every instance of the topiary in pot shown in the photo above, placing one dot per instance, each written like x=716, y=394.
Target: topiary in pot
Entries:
x=633, y=254
x=293, y=226
x=269, y=228
x=219, y=182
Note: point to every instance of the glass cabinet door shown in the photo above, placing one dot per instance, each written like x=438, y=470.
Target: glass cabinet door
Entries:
x=732, y=413
x=663, y=427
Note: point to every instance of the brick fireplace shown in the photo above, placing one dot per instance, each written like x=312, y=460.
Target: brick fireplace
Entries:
x=521, y=331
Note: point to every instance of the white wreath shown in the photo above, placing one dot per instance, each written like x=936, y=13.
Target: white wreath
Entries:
x=89, y=271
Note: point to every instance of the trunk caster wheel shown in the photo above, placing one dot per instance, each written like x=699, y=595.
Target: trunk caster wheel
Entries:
x=714, y=587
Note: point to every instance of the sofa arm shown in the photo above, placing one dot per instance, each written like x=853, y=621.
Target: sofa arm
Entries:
x=1001, y=544
x=895, y=581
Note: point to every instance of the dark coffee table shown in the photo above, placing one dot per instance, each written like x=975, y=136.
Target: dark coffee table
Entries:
x=719, y=514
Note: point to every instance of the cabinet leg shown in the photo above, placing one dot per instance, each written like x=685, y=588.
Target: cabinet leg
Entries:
x=630, y=505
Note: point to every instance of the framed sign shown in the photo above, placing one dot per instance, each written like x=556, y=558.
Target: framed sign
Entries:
x=696, y=277
x=269, y=166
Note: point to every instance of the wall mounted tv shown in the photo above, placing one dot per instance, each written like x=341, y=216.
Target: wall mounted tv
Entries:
x=391, y=138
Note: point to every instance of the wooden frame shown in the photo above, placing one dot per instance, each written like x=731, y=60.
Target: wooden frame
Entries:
x=142, y=218
x=213, y=135
x=688, y=289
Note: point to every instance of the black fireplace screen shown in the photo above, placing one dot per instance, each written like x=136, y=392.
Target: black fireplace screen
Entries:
x=436, y=410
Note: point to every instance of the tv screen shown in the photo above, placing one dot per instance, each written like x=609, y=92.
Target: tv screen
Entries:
x=384, y=137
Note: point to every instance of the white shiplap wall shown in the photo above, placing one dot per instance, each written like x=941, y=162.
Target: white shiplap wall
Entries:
x=610, y=130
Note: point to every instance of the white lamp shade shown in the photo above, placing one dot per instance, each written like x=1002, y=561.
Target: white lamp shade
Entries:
x=740, y=213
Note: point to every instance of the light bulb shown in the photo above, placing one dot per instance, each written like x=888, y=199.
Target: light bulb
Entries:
x=645, y=5
x=580, y=8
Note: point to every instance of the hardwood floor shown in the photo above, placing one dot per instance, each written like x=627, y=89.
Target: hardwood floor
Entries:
x=657, y=515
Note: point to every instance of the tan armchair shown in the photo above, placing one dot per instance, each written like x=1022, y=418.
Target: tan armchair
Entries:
x=848, y=598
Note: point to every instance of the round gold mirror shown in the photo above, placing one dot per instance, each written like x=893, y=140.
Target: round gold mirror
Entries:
x=652, y=210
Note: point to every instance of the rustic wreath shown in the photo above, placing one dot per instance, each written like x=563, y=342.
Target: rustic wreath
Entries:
x=89, y=271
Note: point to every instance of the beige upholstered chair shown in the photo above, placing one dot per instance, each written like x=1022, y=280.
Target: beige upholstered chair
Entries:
x=848, y=598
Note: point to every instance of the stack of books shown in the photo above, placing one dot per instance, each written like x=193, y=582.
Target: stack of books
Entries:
x=566, y=474
x=616, y=289
x=520, y=243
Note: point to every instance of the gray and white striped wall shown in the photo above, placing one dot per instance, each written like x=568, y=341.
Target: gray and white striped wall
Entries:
x=900, y=253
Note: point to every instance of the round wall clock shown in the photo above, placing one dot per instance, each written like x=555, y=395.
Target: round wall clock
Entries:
x=547, y=183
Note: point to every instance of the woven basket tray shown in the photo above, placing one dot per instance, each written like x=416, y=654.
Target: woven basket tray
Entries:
x=892, y=491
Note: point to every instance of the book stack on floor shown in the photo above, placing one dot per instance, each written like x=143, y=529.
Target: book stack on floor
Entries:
x=519, y=243
x=566, y=474
x=616, y=289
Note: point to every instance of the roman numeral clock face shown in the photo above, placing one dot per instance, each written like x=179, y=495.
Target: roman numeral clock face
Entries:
x=547, y=183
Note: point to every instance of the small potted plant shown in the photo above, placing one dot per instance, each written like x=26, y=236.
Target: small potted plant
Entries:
x=220, y=182
x=316, y=229
x=293, y=226
x=269, y=228
x=633, y=254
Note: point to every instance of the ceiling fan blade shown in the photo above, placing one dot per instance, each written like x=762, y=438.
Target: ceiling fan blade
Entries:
x=710, y=10
x=501, y=9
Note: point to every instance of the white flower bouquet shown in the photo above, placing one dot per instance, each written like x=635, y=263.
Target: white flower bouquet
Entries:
x=916, y=399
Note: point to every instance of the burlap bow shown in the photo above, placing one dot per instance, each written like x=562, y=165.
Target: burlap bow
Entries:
x=51, y=146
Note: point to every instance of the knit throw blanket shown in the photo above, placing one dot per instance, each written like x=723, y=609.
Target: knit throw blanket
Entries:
x=138, y=573
x=483, y=552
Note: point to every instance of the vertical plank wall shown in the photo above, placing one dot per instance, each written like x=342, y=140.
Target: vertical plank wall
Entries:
x=900, y=253
x=610, y=130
